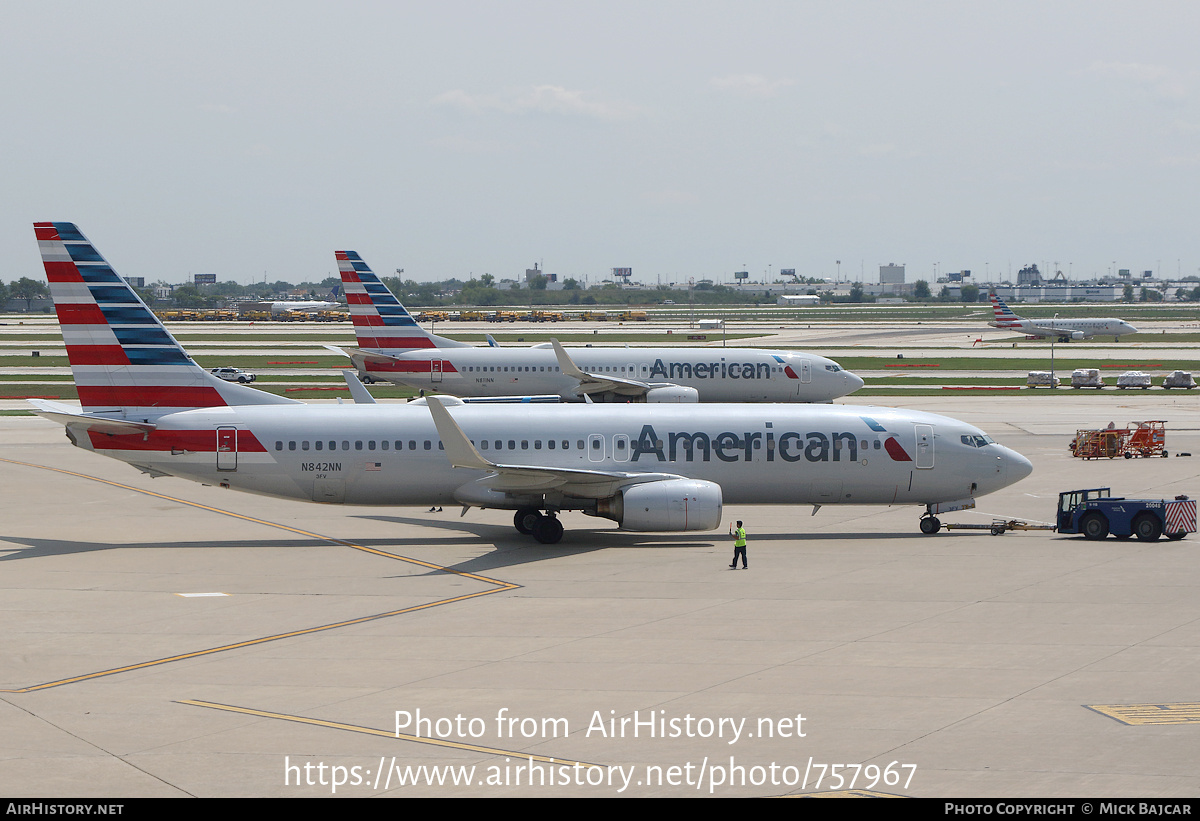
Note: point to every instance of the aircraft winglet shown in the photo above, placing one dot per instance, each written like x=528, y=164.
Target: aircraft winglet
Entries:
x=358, y=391
x=458, y=447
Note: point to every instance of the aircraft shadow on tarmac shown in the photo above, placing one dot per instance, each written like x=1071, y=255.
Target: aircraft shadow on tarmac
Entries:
x=509, y=548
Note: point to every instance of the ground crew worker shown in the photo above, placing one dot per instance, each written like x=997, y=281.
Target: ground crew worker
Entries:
x=739, y=545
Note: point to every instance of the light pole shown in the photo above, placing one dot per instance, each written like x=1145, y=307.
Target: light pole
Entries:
x=1053, y=339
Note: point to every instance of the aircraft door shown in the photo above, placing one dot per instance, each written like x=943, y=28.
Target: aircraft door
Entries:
x=621, y=447
x=805, y=371
x=226, y=448
x=924, y=446
x=435, y=370
x=596, y=447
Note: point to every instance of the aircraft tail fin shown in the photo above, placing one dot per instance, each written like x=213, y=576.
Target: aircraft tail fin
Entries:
x=1003, y=315
x=380, y=321
x=124, y=362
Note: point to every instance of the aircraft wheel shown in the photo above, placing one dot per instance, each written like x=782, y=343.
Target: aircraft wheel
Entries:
x=548, y=530
x=1147, y=527
x=1094, y=526
x=526, y=519
x=930, y=525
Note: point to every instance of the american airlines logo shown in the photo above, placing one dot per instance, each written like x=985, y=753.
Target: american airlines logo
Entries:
x=711, y=370
x=790, y=446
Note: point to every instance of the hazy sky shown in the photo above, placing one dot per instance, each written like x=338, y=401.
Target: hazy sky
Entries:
x=677, y=138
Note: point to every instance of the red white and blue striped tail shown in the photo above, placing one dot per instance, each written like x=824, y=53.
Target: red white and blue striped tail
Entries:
x=1003, y=314
x=124, y=361
x=380, y=321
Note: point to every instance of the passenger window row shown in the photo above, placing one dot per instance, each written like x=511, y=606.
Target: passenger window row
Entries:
x=427, y=444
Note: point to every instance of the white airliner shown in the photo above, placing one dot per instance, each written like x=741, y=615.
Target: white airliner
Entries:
x=1064, y=329
x=283, y=306
x=393, y=347
x=649, y=468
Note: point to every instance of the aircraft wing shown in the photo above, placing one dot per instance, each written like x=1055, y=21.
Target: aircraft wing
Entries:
x=69, y=416
x=597, y=383
x=519, y=479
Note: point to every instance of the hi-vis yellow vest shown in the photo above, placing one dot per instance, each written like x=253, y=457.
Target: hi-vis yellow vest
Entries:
x=740, y=541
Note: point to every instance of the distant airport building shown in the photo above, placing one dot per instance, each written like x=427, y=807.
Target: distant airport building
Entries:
x=1029, y=276
x=891, y=277
x=136, y=282
x=1059, y=293
x=798, y=300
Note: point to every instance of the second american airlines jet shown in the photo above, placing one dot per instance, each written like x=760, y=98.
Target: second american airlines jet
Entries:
x=1064, y=330
x=393, y=347
x=646, y=467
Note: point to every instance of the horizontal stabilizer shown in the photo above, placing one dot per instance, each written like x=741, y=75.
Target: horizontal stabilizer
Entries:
x=358, y=354
x=68, y=416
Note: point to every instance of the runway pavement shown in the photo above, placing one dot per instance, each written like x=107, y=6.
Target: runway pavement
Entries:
x=168, y=639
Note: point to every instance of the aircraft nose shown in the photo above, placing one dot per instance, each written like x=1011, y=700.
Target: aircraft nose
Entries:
x=1016, y=466
x=852, y=381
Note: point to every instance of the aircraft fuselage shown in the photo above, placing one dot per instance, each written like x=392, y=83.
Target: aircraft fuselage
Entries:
x=391, y=454
x=718, y=374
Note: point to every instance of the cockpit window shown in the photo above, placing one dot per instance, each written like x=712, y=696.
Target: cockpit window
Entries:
x=833, y=368
x=976, y=441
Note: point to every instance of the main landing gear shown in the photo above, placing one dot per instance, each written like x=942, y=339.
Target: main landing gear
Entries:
x=546, y=528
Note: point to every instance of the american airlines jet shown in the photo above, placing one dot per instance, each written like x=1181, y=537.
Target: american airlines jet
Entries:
x=1065, y=329
x=647, y=467
x=393, y=347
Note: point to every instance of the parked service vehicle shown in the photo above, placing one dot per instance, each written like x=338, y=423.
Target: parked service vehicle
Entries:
x=234, y=375
x=1086, y=378
x=1096, y=513
x=1133, y=379
x=1179, y=379
x=1041, y=379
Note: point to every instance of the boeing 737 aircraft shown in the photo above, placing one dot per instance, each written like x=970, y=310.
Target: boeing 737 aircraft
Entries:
x=1065, y=329
x=393, y=347
x=648, y=468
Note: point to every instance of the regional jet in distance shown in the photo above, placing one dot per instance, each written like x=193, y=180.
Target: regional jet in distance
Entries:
x=647, y=467
x=393, y=347
x=1064, y=329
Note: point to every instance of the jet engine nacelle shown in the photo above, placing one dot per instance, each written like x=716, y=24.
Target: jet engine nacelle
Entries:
x=673, y=393
x=1077, y=334
x=669, y=504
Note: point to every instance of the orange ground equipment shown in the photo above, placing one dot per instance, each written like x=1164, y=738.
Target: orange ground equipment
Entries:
x=1140, y=439
x=1146, y=439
